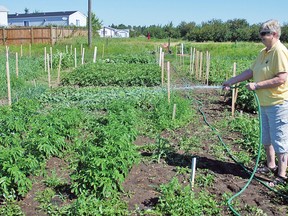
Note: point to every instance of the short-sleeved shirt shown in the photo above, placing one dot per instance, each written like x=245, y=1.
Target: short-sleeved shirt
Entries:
x=266, y=66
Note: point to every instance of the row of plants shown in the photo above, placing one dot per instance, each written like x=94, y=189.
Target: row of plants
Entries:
x=96, y=136
x=100, y=146
x=103, y=74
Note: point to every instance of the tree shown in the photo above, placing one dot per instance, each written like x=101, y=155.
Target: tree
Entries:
x=96, y=23
x=26, y=10
x=184, y=28
x=239, y=30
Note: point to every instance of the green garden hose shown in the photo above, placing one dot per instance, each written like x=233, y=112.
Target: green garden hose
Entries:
x=257, y=160
x=235, y=160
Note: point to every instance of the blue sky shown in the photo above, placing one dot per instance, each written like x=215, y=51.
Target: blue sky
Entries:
x=161, y=12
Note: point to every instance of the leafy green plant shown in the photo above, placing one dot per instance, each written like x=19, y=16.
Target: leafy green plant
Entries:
x=249, y=128
x=91, y=205
x=53, y=180
x=103, y=74
x=179, y=200
x=10, y=208
x=205, y=179
x=163, y=149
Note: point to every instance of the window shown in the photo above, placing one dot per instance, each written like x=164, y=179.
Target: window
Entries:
x=26, y=23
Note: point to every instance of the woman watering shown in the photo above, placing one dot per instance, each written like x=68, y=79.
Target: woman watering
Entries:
x=269, y=73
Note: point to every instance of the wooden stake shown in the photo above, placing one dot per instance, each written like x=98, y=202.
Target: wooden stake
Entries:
x=30, y=50
x=16, y=66
x=201, y=66
x=59, y=68
x=207, y=68
x=8, y=83
x=190, y=66
x=193, y=171
x=160, y=57
x=168, y=81
x=83, y=54
x=95, y=54
x=49, y=76
x=174, y=112
x=8, y=77
x=162, y=70
x=197, y=65
x=45, y=58
x=193, y=61
x=51, y=58
x=21, y=50
x=75, y=57
x=233, y=92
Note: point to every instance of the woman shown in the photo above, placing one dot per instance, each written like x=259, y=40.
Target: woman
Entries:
x=269, y=72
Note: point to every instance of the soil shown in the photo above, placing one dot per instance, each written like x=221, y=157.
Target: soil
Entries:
x=145, y=178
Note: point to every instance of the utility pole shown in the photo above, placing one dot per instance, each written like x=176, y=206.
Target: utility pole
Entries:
x=89, y=24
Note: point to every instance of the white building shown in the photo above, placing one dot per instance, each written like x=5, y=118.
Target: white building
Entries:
x=112, y=32
x=62, y=18
x=3, y=16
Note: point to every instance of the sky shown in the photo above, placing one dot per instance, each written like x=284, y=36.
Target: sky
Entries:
x=161, y=12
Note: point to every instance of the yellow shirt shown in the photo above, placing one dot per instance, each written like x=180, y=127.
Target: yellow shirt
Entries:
x=266, y=66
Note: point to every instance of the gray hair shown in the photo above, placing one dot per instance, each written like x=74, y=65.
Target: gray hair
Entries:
x=272, y=25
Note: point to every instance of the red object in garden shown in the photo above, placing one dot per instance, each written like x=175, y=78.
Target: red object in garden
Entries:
x=148, y=36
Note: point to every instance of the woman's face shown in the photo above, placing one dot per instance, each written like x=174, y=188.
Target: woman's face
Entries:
x=266, y=36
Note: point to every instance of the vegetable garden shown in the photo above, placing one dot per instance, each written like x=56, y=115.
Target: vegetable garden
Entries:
x=108, y=141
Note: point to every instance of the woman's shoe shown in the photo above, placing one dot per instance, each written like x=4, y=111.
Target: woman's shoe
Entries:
x=266, y=170
x=279, y=180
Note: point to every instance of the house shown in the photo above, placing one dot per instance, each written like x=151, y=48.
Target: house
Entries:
x=112, y=32
x=63, y=18
x=3, y=16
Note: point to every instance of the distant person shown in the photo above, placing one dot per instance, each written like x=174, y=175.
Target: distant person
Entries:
x=269, y=72
x=148, y=36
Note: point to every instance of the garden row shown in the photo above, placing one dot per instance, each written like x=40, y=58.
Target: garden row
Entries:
x=91, y=122
x=92, y=128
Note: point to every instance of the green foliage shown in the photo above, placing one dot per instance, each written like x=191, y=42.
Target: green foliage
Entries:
x=142, y=58
x=28, y=137
x=10, y=208
x=179, y=200
x=102, y=74
x=249, y=128
x=246, y=101
x=206, y=179
x=29, y=69
x=160, y=112
x=163, y=149
x=91, y=205
x=104, y=162
x=54, y=181
x=48, y=203
x=67, y=60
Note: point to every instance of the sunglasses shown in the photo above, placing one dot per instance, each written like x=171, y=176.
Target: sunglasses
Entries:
x=263, y=33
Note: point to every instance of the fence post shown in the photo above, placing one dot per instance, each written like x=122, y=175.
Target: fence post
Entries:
x=51, y=35
x=32, y=35
x=3, y=29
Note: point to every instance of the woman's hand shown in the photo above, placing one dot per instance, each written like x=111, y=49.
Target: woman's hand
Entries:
x=251, y=86
x=227, y=85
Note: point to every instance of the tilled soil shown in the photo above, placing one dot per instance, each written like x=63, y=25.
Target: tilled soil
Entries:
x=144, y=178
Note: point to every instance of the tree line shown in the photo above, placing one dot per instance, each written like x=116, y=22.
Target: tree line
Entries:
x=213, y=30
